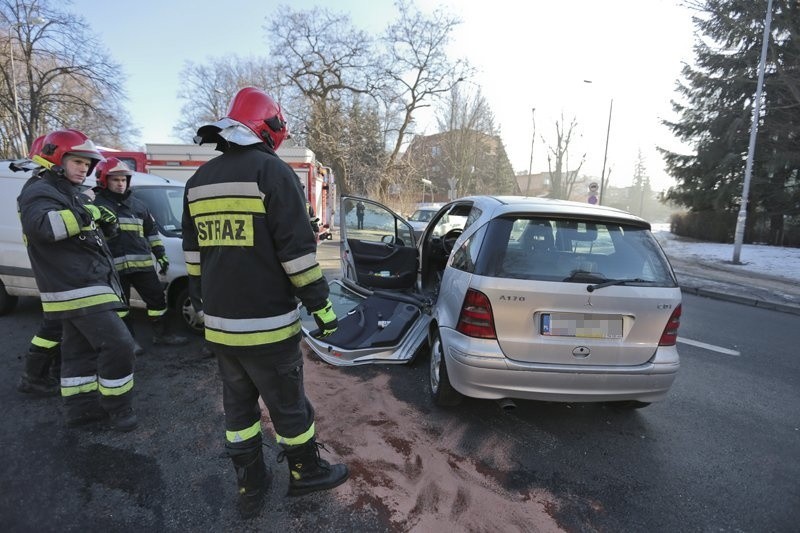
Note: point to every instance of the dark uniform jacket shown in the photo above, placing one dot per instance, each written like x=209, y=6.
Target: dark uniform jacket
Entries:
x=138, y=235
x=69, y=257
x=246, y=235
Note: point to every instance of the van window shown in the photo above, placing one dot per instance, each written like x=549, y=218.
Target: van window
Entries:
x=165, y=204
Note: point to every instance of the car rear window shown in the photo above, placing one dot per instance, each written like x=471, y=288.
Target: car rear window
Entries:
x=558, y=249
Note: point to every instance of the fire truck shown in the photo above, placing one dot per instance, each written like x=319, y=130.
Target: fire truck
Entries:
x=180, y=161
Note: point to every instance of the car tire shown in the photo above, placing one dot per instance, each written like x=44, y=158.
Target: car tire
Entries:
x=7, y=302
x=442, y=392
x=186, y=311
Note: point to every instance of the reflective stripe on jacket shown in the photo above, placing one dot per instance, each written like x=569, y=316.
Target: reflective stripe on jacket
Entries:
x=69, y=257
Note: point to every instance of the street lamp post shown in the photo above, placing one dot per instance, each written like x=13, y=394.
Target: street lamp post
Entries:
x=605, y=152
x=605, y=156
x=530, y=165
x=741, y=218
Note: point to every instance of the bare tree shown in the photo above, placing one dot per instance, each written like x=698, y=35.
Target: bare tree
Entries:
x=562, y=179
x=419, y=69
x=471, y=149
x=207, y=88
x=62, y=77
x=324, y=60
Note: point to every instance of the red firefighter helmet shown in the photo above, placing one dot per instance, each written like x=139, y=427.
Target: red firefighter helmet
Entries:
x=257, y=111
x=36, y=146
x=60, y=143
x=111, y=167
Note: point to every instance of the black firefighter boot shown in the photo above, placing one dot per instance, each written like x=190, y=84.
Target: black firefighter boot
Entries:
x=308, y=472
x=251, y=478
x=35, y=380
x=161, y=335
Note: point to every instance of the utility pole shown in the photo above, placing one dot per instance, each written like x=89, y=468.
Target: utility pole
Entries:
x=530, y=165
x=741, y=219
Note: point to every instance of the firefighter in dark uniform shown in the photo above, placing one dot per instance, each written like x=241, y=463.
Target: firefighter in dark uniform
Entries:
x=246, y=234
x=78, y=284
x=132, y=247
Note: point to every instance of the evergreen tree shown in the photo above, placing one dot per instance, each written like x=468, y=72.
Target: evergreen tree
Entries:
x=716, y=109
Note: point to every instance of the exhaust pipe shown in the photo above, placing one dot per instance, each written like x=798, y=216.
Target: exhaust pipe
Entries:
x=506, y=404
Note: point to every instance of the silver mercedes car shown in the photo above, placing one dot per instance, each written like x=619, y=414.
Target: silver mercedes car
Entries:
x=529, y=298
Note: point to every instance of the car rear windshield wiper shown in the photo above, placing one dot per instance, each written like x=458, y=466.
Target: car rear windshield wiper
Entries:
x=609, y=283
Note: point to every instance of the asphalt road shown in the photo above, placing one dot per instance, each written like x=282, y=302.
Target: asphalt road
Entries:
x=719, y=454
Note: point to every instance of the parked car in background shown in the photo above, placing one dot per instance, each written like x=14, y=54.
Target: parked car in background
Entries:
x=163, y=197
x=527, y=298
x=420, y=219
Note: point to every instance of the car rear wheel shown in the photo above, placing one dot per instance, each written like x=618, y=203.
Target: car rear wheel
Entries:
x=7, y=302
x=442, y=391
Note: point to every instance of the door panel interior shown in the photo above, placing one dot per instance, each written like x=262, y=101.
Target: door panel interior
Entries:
x=384, y=265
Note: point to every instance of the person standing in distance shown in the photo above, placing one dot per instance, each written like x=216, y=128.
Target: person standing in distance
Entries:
x=246, y=236
x=78, y=284
x=132, y=247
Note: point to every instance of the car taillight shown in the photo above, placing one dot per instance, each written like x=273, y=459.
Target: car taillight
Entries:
x=670, y=335
x=476, y=319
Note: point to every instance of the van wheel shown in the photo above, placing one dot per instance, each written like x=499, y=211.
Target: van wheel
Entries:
x=442, y=391
x=190, y=319
x=7, y=302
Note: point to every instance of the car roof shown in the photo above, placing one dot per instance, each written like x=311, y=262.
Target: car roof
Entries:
x=500, y=205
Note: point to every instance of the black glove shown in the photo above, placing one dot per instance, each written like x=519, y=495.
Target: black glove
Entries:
x=163, y=262
x=326, y=319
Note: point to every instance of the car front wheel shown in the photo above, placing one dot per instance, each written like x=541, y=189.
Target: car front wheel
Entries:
x=442, y=391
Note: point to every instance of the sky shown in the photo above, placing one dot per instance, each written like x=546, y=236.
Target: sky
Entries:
x=528, y=54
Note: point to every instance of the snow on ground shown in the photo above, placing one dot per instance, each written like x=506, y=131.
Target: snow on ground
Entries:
x=772, y=260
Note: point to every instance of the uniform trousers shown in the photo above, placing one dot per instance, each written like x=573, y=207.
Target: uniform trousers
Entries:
x=149, y=288
x=278, y=379
x=97, y=355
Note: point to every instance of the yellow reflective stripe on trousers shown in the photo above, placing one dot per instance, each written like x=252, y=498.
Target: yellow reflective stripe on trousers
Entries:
x=78, y=385
x=302, y=438
x=304, y=278
x=244, y=434
x=43, y=343
x=156, y=312
x=116, y=387
x=252, y=338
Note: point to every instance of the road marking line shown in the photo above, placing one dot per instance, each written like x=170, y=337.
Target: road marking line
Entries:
x=711, y=347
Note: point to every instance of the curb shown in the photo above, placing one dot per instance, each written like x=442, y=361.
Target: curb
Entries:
x=745, y=300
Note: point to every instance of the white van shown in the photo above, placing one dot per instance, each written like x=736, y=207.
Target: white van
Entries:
x=163, y=197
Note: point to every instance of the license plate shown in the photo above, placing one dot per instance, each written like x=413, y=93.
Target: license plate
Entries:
x=584, y=325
